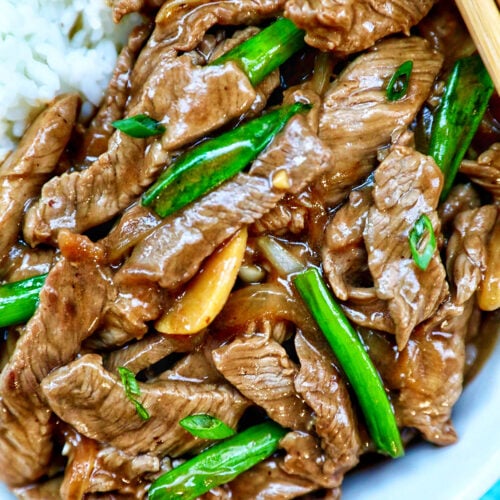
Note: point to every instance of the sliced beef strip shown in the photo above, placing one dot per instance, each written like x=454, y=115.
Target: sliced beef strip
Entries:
x=93, y=401
x=486, y=171
x=41, y=490
x=261, y=370
x=25, y=262
x=66, y=315
x=348, y=26
x=31, y=164
x=466, y=252
x=407, y=185
x=199, y=100
x=123, y=7
x=321, y=385
x=96, y=137
x=356, y=118
x=462, y=197
x=172, y=254
x=425, y=378
x=268, y=481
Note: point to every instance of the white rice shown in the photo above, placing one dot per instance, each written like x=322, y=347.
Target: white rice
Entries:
x=52, y=46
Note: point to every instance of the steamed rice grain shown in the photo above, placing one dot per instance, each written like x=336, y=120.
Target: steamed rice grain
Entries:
x=49, y=47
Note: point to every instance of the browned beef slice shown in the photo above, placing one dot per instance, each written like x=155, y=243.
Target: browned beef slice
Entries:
x=198, y=100
x=356, y=118
x=24, y=262
x=123, y=7
x=407, y=185
x=348, y=26
x=26, y=169
x=261, y=370
x=462, y=197
x=486, y=171
x=93, y=401
x=172, y=254
x=66, y=315
x=466, y=253
x=96, y=137
x=40, y=491
x=267, y=480
x=320, y=384
x=426, y=376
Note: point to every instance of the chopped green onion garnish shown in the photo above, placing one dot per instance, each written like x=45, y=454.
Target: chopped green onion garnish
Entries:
x=131, y=387
x=219, y=464
x=422, y=257
x=354, y=360
x=468, y=91
x=206, y=427
x=139, y=126
x=398, y=84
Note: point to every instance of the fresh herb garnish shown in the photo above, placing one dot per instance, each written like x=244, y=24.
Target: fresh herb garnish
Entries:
x=398, y=84
x=139, y=126
x=206, y=427
x=416, y=236
x=131, y=387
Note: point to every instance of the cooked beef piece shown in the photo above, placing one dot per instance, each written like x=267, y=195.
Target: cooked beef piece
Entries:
x=343, y=251
x=321, y=385
x=25, y=262
x=369, y=312
x=267, y=480
x=123, y=7
x=172, y=254
x=486, y=171
x=199, y=100
x=30, y=165
x=66, y=315
x=425, y=378
x=96, y=137
x=40, y=491
x=466, y=252
x=407, y=185
x=462, y=197
x=347, y=26
x=150, y=350
x=356, y=118
x=94, y=402
x=261, y=370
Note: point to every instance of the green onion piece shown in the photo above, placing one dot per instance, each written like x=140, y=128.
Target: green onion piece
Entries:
x=398, y=84
x=352, y=356
x=131, y=388
x=212, y=162
x=422, y=257
x=468, y=91
x=139, y=126
x=263, y=53
x=219, y=464
x=19, y=300
x=206, y=427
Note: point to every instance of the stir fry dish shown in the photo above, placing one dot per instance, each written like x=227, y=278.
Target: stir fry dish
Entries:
x=269, y=256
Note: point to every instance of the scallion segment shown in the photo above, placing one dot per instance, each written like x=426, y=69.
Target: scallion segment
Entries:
x=212, y=162
x=397, y=87
x=19, y=300
x=219, y=464
x=139, y=126
x=468, y=91
x=421, y=229
x=263, y=53
x=206, y=427
x=355, y=362
x=132, y=390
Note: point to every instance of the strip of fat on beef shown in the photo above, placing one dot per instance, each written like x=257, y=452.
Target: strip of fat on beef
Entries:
x=66, y=315
x=198, y=100
x=348, y=26
x=261, y=370
x=321, y=385
x=466, y=252
x=173, y=252
x=30, y=165
x=407, y=185
x=94, y=402
x=356, y=118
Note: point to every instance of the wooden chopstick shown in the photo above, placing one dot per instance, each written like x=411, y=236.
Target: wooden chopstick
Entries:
x=482, y=18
